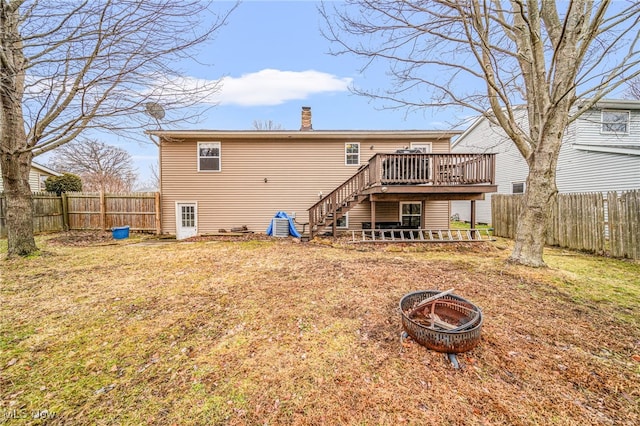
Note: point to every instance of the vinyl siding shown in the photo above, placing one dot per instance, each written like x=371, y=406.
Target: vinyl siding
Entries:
x=579, y=169
x=510, y=166
x=585, y=170
x=590, y=171
x=34, y=180
x=296, y=172
x=436, y=215
x=590, y=129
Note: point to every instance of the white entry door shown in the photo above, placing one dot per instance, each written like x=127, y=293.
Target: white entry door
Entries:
x=186, y=220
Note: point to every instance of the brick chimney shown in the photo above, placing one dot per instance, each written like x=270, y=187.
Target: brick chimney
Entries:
x=306, y=119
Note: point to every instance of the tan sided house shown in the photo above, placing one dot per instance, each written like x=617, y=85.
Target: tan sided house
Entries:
x=328, y=180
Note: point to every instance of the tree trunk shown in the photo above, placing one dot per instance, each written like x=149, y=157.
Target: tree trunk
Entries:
x=15, y=152
x=539, y=192
x=15, y=175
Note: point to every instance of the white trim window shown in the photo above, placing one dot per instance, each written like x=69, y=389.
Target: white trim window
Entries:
x=209, y=157
x=425, y=147
x=517, y=187
x=411, y=215
x=352, y=153
x=615, y=121
x=343, y=222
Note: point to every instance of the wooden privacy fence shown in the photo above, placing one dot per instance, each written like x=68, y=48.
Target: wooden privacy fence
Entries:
x=624, y=224
x=48, y=215
x=591, y=222
x=91, y=211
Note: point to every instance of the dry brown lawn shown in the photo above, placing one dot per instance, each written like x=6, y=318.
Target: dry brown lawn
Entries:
x=276, y=332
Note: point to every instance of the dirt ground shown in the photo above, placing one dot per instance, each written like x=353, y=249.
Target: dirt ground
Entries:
x=245, y=331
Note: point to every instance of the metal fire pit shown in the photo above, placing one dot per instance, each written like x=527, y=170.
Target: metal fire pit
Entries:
x=456, y=310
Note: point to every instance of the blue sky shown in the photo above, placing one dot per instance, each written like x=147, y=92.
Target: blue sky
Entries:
x=273, y=60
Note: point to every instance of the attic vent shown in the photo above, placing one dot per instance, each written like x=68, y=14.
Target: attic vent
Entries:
x=280, y=227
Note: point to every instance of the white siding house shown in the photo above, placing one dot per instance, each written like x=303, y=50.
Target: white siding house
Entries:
x=37, y=176
x=600, y=152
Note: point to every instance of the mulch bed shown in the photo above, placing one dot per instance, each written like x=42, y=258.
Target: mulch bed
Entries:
x=82, y=238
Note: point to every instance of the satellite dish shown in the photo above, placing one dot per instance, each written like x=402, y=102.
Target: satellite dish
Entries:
x=155, y=110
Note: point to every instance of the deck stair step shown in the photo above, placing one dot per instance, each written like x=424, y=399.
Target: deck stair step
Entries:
x=338, y=202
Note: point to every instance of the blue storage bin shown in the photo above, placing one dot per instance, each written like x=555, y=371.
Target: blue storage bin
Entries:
x=120, y=233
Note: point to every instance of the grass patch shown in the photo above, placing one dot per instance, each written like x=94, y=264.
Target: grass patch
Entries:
x=466, y=225
x=277, y=332
x=600, y=280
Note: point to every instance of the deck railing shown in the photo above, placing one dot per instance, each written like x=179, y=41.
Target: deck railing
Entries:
x=331, y=203
x=435, y=169
x=403, y=169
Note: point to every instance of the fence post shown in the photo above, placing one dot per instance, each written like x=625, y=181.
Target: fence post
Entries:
x=158, y=221
x=103, y=211
x=65, y=211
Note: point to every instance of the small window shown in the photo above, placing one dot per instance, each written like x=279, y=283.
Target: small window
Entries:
x=188, y=215
x=424, y=147
x=208, y=156
x=343, y=222
x=517, y=188
x=352, y=154
x=42, y=182
x=411, y=215
x=615, y=121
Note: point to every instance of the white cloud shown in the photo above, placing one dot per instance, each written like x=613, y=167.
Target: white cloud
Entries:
x=274, y=87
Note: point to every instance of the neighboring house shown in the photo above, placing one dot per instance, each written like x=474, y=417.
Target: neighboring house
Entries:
x=212, y=180
x=600, y=152
x=37, y=176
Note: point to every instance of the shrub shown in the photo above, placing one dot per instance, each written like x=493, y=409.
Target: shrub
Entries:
x=68, y=182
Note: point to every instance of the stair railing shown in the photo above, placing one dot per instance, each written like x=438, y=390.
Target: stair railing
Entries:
x=402, y=169
x=336, y=203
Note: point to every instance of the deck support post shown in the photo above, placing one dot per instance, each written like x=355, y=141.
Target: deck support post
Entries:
x=473, y=215
x=373, y=215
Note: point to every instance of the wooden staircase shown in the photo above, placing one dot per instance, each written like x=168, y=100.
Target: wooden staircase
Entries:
x=466, y=174
x=334, y=205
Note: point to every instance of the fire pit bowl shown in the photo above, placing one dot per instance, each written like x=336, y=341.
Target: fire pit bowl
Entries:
x=465, y=317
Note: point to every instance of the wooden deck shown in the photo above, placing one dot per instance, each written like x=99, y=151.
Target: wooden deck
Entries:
x=432, y=169
x=407, y=177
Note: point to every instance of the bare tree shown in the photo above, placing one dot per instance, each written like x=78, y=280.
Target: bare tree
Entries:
x=154, y=180
x=490, y=56
x=70, y=66
x=102, y=167
x=266, y=125
x=633, y=91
